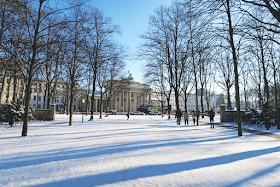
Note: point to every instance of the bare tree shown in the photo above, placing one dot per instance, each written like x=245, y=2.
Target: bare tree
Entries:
x=221, y=8
x=271, y=5
x=35, y=23
x=166, y=42
x=225, y=74
x=115, y=71
x=74, y=55
x=98, y=42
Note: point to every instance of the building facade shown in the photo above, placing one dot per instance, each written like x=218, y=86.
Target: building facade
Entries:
x=58, y=95
x=122, y=97
x=12, y=84
x=191, y=103
x=132, y=96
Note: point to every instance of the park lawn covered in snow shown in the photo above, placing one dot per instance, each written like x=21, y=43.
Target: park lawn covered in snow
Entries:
x=142, y=151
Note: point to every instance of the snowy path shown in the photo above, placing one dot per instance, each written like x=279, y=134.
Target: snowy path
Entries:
x=143, y=151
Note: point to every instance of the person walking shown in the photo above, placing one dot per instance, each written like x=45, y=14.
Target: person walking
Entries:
x=178, y=116
x=211, y=114
x=193, y=116
x=186, y=117
x=127, y=115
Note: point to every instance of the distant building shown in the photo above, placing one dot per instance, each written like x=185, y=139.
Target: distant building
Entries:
x=191, y=104
x=11, y=82
x=125, y=96
x=59, y=95
x=133, y=95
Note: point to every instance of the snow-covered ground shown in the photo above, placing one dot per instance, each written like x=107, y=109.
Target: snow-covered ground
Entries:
x=141, y=151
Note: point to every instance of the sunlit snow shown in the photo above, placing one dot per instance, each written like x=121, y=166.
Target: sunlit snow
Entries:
x=142, y=151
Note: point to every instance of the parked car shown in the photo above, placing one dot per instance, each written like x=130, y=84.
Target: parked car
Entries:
x=137, y=113
x=146, y=110
x=113, y=112
x=154, y=113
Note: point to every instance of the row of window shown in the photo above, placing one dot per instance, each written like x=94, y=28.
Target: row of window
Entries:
x=7, y=87
x=39, y=98
x=8, y=81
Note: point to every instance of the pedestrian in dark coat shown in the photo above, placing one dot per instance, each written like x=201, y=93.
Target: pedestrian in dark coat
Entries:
x=127, y=115
x=211, y=114
x=178, y=116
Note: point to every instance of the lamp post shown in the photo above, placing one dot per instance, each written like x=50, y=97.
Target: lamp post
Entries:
x=83, y=101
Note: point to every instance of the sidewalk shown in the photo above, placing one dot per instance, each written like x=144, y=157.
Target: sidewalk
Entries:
x=272, y=132
x=269, y=134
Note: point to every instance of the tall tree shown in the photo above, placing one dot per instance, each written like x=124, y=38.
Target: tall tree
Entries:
x=36, y=14
x=223, y=10
x=225, y=74
x=74, y=57
x=98, y=42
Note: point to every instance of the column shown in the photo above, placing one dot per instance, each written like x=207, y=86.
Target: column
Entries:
x=116, y=103
x=128, y=101
x=95, y=105
x=137, y=102
x=123, y=101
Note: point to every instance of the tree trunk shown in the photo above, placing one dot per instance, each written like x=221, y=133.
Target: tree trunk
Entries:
x=196, y=102
x=201, y=98
x=92, y=100
x=186, y=100
x=100, y=104
x=266, y=88
x=15, y=87
x=228, y=97
x=30, y=75
x=162, y=106
x=235, y=62
x=260, y=95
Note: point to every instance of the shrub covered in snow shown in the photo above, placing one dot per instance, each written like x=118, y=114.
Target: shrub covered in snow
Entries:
x=13, y=110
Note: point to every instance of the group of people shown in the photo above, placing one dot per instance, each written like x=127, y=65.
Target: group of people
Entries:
x=195, y=115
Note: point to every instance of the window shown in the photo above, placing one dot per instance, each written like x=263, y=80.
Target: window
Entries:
x=39, y=106
x=132, y=100
x=131, y=95
x=117, y=99
x=21, y=88
x=39, y=99
x=35, y=90
x=34, y=98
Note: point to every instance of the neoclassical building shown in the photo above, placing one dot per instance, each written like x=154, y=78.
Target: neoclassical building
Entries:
x=123, y=96
x=131, y=96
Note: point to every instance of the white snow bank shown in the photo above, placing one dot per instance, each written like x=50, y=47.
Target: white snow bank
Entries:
x=141, y=151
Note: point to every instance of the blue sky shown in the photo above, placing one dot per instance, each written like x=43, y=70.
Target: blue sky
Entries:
x=132, y=16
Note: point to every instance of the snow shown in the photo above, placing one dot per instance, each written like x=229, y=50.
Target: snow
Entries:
x=142, y=151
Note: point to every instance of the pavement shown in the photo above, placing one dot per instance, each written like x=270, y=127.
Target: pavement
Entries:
x=262, y=133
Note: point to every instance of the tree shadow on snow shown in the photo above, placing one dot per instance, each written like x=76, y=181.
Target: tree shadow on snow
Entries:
x=163, y=169
x=74, y=153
